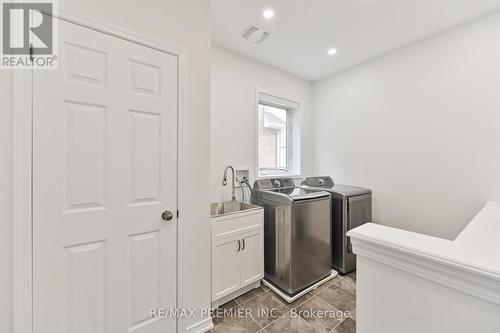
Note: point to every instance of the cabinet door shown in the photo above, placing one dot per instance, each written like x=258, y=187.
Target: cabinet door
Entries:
x=252, y=255
x=225, y=267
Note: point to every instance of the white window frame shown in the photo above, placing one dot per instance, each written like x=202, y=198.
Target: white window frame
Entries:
x=293, y=135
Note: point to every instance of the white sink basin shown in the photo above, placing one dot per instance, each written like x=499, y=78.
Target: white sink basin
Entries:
x=230, y=207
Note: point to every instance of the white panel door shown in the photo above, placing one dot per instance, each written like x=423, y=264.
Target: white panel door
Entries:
x=252, y=265
x=104, y=170
x=225, y=267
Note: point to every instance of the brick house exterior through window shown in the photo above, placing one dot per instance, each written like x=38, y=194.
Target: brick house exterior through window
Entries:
x=275, y=139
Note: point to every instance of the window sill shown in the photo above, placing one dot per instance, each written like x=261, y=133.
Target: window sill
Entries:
x=283, y=175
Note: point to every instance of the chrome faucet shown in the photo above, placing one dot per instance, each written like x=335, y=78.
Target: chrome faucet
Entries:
x=224, y=182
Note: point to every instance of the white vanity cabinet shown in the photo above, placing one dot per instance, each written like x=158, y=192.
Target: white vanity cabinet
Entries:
x=252, y=257
x=237, y=253
x=226, y=264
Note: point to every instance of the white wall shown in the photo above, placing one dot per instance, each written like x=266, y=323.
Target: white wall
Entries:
x=235, y=79
x=420, y=127
x=182, y=23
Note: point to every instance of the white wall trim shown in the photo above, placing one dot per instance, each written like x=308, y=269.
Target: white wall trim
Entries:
x=465, y=279
x=67, y=14
x=21, y=202
x=202, y=326
x=22, y=168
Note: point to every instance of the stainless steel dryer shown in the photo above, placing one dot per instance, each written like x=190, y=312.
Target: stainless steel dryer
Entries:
x=297, y=233
x=351, y=207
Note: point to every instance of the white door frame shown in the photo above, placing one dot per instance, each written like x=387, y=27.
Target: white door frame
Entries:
x=22, y=241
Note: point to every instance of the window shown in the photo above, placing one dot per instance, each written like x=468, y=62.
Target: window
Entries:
x=277, y=144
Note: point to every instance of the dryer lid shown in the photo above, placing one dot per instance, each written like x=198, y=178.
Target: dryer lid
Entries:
x=322, y=181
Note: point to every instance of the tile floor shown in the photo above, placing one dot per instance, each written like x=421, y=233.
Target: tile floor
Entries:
x=329, y=308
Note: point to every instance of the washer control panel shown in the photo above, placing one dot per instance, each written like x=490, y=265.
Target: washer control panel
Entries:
x=271, y=183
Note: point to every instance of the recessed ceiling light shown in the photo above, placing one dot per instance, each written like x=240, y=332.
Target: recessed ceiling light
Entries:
x=332, y=51
x=268, y=13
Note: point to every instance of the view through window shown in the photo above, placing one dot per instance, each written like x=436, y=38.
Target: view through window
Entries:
x=273, y=139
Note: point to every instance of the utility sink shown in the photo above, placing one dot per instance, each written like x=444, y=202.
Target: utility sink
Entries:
x=230, y=207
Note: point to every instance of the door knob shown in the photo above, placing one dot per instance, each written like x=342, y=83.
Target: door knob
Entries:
x=167, y=215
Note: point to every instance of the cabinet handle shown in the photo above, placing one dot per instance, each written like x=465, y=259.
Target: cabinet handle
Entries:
x=239, y=245
x=243, y=245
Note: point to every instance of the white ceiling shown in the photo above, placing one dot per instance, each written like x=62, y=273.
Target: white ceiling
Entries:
x=303, y=30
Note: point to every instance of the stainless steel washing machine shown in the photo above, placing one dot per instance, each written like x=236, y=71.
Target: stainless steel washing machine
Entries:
x=351, y=207
x=297, y=233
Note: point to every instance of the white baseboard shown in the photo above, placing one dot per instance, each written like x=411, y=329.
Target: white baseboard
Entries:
x=202, y=326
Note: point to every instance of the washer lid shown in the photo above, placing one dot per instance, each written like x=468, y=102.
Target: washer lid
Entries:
x=297, y=193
